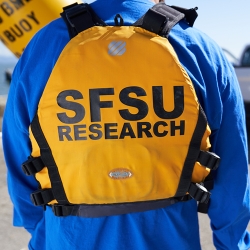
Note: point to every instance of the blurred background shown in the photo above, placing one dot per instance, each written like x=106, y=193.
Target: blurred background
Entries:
x=225, y=21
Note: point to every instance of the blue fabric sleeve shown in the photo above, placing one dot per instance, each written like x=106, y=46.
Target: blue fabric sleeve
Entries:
x=24, y=94
x=218, y=91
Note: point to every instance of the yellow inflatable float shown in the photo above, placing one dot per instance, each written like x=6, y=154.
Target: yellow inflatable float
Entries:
x=21, y=19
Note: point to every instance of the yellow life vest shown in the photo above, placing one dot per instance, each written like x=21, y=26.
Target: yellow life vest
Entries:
x=119, y=127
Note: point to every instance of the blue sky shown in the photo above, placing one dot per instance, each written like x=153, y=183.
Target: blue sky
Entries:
x=226, y=21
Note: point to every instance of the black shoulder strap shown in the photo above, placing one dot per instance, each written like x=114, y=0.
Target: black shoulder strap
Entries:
x=161, y=18
x=190, y=14
x=79, y=17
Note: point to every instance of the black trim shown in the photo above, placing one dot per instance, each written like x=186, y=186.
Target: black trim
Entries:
x=192, y=155
x=47, y=158
x=100, y=210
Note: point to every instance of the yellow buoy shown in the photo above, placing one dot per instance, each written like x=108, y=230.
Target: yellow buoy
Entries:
x=21, y=19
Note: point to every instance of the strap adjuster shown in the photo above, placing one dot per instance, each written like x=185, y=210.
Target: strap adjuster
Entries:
x=209, y=159
x=199, y=193
x=33, y=165
x=42, y=197
x=154, y=21
x=63, y=210
x=75, y=11
x=79, y=17
x=190, y=14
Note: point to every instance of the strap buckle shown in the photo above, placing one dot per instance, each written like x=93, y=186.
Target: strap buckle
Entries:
x=76, y=11
x=199, y=193
x=209, y=159
x=190, y=14
x=154, y=21
x=63, y=210
x=33, y=165
x=42, y=197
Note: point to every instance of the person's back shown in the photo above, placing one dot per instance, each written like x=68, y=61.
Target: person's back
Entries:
x=173, y=227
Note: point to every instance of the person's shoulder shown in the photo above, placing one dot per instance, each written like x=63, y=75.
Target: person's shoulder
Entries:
x=193, y=36
x=52, y=31
x=48, y=40
x=196, y=42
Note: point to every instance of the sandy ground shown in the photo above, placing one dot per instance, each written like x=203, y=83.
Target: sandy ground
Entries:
x=12, y=238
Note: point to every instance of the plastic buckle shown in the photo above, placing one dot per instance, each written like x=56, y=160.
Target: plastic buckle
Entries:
x=26, y=166
x=37, y=198
x=199, y=193
x=209, y=159
x=63, y=210
x=42, y=197
x=57, y=210
x=214, y=161
x=154, y=21
x=76, y=11
x=32, y=166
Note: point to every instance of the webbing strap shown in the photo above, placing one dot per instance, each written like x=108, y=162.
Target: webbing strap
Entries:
x=190, y=14
x=199, y=193
x=209, y=159
x=33, y=165
x=160, y=19
x=48, y=160
x=209, y=185
x=79, y=17
x=42, y=197
x=203, y=207
x=94, y=211
x=193, y=153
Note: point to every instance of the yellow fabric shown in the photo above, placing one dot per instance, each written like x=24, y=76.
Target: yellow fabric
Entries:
x=22, y=19
x=148, y=168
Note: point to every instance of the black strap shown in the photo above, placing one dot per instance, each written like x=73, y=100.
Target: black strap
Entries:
x=190, y=14
x=192, y=155
x=48, y=159
x=209, y=160
x=154, y=21
x=33, y=165
x=79, y=17
x=160, y=19
x=203, y=207
x=208, y=183
x=118, y=20
x=42, y=197
x=199, y=193
x=94, y=211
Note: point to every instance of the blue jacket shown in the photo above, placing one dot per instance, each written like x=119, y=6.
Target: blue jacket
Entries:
x=174, y=227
